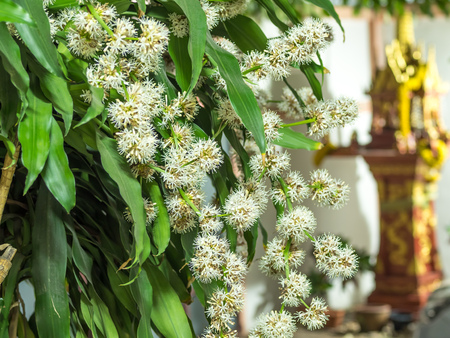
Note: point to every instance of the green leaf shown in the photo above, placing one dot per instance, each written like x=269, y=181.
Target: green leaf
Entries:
x=56, y=90
x=161, y=77
x=237, y=146
x=143, y=295
x=10, y=285
x=251, y=236
x=81, y=258
x=10, y=54
x=246, y=33
x=9, y=103
x=11, y=12
x=34, y=136
x=102, y=316
x=178, y=48
x=168, y=314
x=270, y=8
x=96, y=107
x=286, y=7
x=38, y=39
x=130, y=190
x=197, y=36
x=141, y=5
x=56, y=174
x=241, y=96
x=123, y=293
x=161, y=225
x=295, y=140
x=329, y=8
x=49, y=267
x=313, y=81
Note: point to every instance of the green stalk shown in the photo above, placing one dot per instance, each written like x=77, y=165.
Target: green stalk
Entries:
x=99, y=19
x=251, y=69
x=298, y=123
x=221, y=128
x=188, y=201
x=156, y=168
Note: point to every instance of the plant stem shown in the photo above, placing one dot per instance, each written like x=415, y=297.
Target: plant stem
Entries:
x=286, y=256
x=102, y=126
x=9, y=167
x=262, y=174
x=251, y=69
x=221, y=128
x=156, y=168
x=99, y=19
x=298, y=123
x=286, y=193
x=189, y=202
x=303, y=302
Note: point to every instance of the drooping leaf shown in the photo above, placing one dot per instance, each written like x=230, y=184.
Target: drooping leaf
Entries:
x=12, y=12
x=270, y=8
x=96, y=107
x=161, y=225
x=10, y=283
x=38, y=39
x=313, y=81
x=287, y=8
x=178, y=48
x=102, y=316
x=329, y=8
x=49, y=267
x=57, y=175
x=296, y=140
x=246, y=33
x=10, y=55
x=123, y=293
x=9, y=103
x=143, y=295
x=237, y=146
x=81, y=258
x=251, y=236
x=168, y=314
x=241, y=96
x=197, y=36
x=119, y=170
x=34, y=136
x=56, y=90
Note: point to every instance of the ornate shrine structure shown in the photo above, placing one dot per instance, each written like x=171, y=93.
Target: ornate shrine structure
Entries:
x=409, y=145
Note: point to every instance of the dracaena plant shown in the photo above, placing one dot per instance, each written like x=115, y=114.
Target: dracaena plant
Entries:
x=113, y=117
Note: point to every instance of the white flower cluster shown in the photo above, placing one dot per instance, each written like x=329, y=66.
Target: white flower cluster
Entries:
x=297, y=46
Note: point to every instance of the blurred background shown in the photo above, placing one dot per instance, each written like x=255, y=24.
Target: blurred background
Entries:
x=353, y=66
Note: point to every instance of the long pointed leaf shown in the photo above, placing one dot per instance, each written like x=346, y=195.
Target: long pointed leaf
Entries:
x=10, y=54
x=11, y=12
x=241, y=96
x=34, y=136
x=56, y=90
x=167, y=314
x=57, y=175
x=295, y=140
x=49, y=267
x=197, y=36
x=38, y=39
x=329, y=8
x=161, y=226
x=130, y=190
x=246, y=33
x=143, y=295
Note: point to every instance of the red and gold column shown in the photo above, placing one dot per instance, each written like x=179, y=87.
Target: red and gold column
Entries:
x=408, y=267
